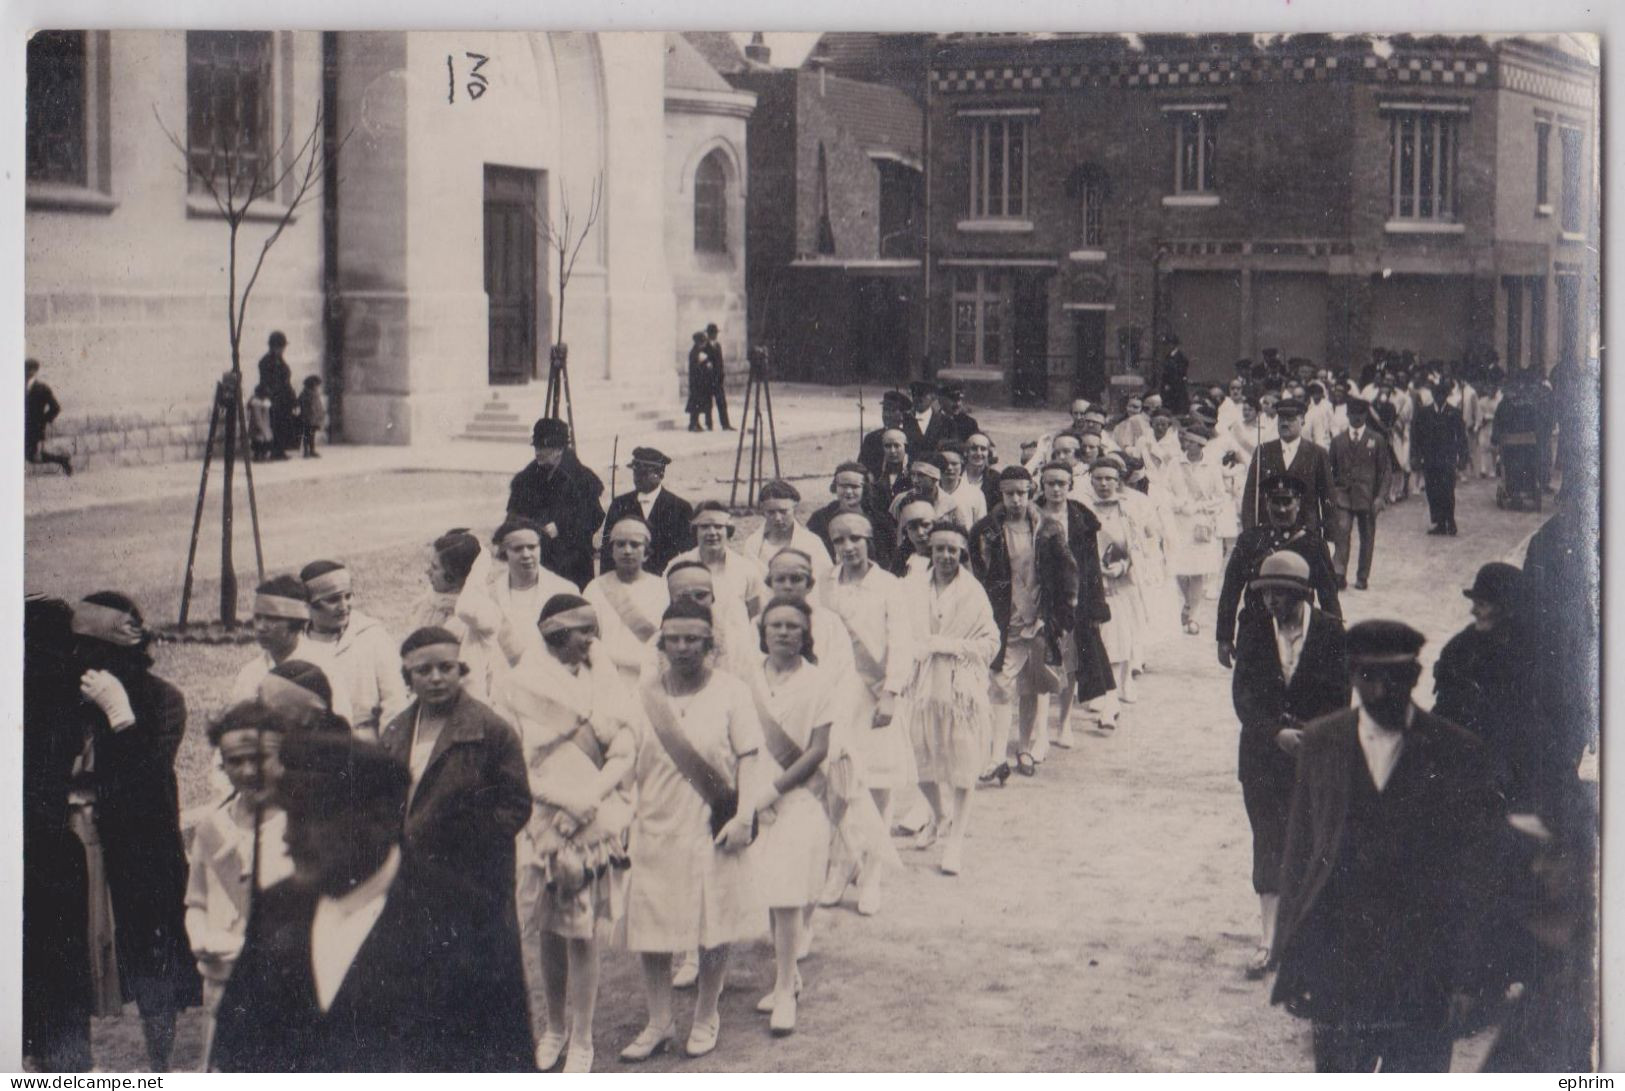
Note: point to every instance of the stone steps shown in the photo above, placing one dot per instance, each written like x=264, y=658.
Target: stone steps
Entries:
x=507, y=417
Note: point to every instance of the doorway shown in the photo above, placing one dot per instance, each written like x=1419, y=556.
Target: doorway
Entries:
x=1089, y=339
x=511, y=231
x=1030, y=340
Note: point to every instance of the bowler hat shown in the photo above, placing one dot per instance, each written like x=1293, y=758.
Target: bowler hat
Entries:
x=550, y=432
x=1283, y=571
x=920, y=388
x=1497, y=583
x=895, y=399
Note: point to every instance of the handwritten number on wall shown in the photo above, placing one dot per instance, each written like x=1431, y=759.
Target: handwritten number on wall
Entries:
x=477, y=83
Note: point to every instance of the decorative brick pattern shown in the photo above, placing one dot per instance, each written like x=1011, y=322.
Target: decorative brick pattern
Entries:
x=1547, y=85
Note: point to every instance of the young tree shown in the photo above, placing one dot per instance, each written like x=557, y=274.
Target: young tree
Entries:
x=242, y=180
x=564, y=239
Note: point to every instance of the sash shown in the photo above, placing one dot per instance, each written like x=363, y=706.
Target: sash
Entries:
x=783, y=747
x=633, y=618
x=831, y=785
x=712, y=786
x=865, y=660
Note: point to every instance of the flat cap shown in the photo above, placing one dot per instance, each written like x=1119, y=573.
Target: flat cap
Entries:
x=334, y=774
x=649, y=456
x=1284, y=485
x=1380, y=641
x=1289, y=407
x=895, y=399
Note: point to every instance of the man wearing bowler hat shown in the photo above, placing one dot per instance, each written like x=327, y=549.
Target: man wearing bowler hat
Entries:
x=924, y=424
x=1291, y=454
x=1290, y=668
x=1359, y=461
x=561, y=495
x=368, y=959
x=1383, y=871
x=667, y=514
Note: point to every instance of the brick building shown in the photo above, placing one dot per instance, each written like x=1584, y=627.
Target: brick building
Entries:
x=1320, y=195
x=834, y=216
x=417, y=285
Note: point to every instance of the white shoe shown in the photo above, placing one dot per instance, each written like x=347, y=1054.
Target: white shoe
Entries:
x=953, y=856
x=765, y=1004
x=869, y=891
x=548, y=1049
x=702, y=1037
x=835, y=885
x=925, y=838
x=578, y=1059
x=687, y=973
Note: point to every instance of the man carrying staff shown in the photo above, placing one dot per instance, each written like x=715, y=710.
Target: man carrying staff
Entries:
x=628, y=600
x=1283, y=530
x=666, y=514
x=1381, y=877
x=1290, y=668
x=335, y=973
x=561, y=496
x=366, y=664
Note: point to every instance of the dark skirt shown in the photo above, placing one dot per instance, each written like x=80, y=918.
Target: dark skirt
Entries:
x=1094, y=668
x=699, y=390
x=1266, y=773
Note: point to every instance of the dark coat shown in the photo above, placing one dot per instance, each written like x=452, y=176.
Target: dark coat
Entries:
x=1395, y=946
x=568, y=498
x=871, y=453
x=138, y=823
x=699, y=380
x=1359, y=470
x=277, y=378
x=1487, y=682
x=473, y=797
x=1094, y=676
x=1562, y=572
x=961, y=427
x=668, y=526
x=1312, y=466
x=1175, y=392
x=1057, y=577
x=881, y=548
x=1438, y=437
x=40, y=408
x=437, y=986
x=1252, y=546
x=1264, y=700
x=939, y=431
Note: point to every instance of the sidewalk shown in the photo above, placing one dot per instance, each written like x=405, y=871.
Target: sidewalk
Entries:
x=800, y=410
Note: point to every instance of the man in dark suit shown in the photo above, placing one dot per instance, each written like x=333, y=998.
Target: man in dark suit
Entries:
x=719, y=377
x=1283, y=530
x=699, y=385
x=1176, y=366
x=925, y=425
x=40, y=408
x=1383, y=871
x=894, y=478
x=561, y=496
x=1290, y=668
x=368, y=959
x=961, y=426
x=1439, y=446
x=854, y=495
x=1297, y=457
x=667, y=514
x=894, y=406
x=1359, y=461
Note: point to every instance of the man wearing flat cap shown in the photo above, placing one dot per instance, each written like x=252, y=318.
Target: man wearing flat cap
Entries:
x=951, y=403
x=1290, y=453
x=1290, y=668
x=924, y=424
x=667, y=514
x=1282, y=529
x=1359, y=462
x=562, y=496
x=369, y=959
x=1383, y=871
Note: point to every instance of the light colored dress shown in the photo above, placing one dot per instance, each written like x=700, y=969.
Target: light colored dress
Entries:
x=757, y=548
x=521, y=608
x=738, y=577
x=1121, y=635
x=1198, y=497
x=571, y=880
x=874, y=612
x=684, y=892
x=642, y=601
x=945, y=707
x=366, y=665
x=792, y=850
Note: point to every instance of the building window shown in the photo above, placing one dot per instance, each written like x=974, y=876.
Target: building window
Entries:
x=1196, y=151
x=229, y=111
x=1094, y=213
x=826, y=229
x=1573, y=216
x=899, y=204
x=1543, y=159
x=1537, y=323
x=998, y=168
x=978, y=318
x=711, y=205
x=1422, y=165
x=58, y=82
x=1514, y=352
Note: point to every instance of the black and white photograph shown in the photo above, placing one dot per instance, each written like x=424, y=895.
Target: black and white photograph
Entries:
x=924, y=550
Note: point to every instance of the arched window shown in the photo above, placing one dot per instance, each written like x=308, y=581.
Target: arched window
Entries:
x=711, y=205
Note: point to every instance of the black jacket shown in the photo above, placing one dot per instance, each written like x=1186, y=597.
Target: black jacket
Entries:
x=40, y=408
x=1094, y=675
x=882, y=548
x=437, y=986
x=1264, y=700
x=568, y=498
x=1057, y=577
x=668, y=526
x=939, y=431
x=1487, y=682
x=1252, y=546
x=1438, y=437
x=1311, y=465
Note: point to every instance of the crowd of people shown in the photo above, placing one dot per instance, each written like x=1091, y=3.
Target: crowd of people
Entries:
x=701, y=739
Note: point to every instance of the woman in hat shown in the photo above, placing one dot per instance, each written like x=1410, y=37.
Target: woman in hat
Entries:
x=628, y=599
x=1197, y=498
x=691, y=883
x=797, y=707
x=134, y=721
x=944, y=706
x=527, y=586
x=571, y=710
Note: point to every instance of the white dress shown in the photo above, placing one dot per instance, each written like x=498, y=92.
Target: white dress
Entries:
x=739, y=577
x=791, y=853
x=1199, y=496
x=682, y=891
x=874, y=613
x=945, y=707
x=647, y=598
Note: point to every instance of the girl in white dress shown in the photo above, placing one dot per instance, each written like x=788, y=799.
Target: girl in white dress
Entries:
x=628, y=599
x=1121, y=634
x=1198, y=497
x=569, y=707
x=691, y=885
x=520, y=592
x=796, y=706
